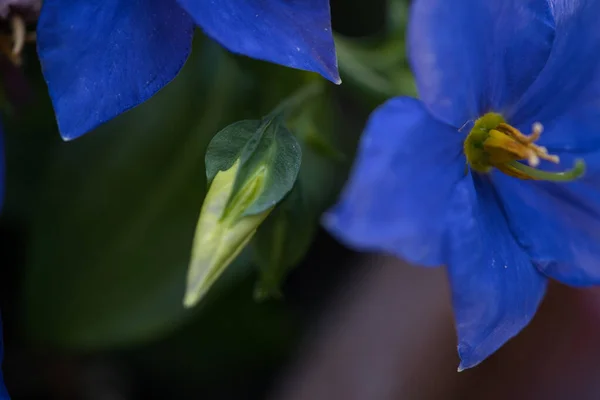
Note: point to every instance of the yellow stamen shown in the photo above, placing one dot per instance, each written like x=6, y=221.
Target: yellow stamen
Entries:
x=492, y=143
x=533, y=153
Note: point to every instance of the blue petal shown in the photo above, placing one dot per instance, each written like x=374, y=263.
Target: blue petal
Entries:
x=103, y=58
x=576, y=131
x=558, y=224
x=569, y=85
x=294, y=33
x=495, y=288
x=473, y=56
x=396, y=198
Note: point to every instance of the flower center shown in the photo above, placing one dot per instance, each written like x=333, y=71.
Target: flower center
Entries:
x=492, y=143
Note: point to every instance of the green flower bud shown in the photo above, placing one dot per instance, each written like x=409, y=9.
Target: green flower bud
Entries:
x=223, y=229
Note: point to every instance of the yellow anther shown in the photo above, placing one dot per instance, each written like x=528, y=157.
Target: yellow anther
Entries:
x=528, y=149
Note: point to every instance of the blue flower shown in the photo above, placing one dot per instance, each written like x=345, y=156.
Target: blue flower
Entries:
x=101, y=58
x=436, y=181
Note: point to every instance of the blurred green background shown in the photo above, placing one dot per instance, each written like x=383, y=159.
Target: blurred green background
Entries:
x=96, y=233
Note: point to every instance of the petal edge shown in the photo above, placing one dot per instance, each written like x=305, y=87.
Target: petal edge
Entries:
x=293, y=33
x=395, y=199
x=495, y=288
x=100, y=60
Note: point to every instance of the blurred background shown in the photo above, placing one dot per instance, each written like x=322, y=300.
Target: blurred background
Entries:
x=95, y=240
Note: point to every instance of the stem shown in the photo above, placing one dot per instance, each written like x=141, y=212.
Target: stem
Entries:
x=570, y=175
x=298, y=98
x=352, y=66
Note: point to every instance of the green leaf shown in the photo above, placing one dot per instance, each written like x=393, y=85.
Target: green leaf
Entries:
x=257, y=144
x=284, y=238
x=227, y=146
x=251, y=165
x=280, y=154
x=282, y=241
x=325, y=146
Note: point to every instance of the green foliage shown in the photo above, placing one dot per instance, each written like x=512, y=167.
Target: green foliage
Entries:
x=265, y=145
x=282, y=241
x=285, y=237
x=378, y=68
